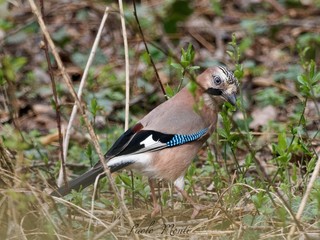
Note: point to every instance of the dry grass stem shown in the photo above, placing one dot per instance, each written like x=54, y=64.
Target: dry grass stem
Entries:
x=126, y=54
x=81, y=86
x=304, y=200
x=81, y=210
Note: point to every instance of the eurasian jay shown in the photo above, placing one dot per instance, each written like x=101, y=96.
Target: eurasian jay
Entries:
x=163, y=143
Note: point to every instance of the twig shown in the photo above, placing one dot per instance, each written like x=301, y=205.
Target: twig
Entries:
x=83, y=113
x=304, y=200
x=277, y=6
x=82, y=82
x=95, y=186
x=22, y=233
x=61, y=200
x=57, y=104
x=45, y=211
x=147, y=49
x=126, y=54
x=104, y=232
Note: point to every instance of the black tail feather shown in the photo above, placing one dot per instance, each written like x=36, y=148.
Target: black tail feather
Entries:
x=81, y=182
x=86, y=179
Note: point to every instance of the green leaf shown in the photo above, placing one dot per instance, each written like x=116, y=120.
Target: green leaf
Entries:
x=185, y=64
x=282, y=143
x=302, y=79
x=316, y=78
x=248, y=160
x=192, y=87
x=222, y=132
x=194, y=68
x=89, y=151
x=230, y=53
x=311, y=165
x=94, y=106
x=169, y=91
x=238, y=73
x=312, y=69
x=177, y=66
x=126, y=180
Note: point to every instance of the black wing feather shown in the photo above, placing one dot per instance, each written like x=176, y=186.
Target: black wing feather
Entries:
x=135, y=143
x=123, y=141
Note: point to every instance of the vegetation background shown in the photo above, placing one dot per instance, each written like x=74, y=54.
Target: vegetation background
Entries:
x=253, y=174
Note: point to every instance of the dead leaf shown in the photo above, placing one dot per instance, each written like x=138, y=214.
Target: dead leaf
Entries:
x=262, y=116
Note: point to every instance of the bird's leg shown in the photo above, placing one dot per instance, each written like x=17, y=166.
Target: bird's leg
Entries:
x=196, y=207
x=156, y=206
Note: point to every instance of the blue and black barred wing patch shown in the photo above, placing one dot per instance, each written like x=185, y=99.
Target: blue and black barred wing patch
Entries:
x=180, y=139
x=148, y=141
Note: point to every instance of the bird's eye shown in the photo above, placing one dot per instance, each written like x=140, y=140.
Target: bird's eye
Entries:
x=217, y=80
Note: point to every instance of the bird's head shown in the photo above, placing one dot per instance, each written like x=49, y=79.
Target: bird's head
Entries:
x=219, y=84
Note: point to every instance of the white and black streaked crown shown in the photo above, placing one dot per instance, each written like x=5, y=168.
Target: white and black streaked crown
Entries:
x=231, y=79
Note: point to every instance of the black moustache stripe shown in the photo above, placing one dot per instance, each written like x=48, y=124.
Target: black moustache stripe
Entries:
x=214, y=91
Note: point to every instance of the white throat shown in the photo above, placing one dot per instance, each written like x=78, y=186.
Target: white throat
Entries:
x=211, y=102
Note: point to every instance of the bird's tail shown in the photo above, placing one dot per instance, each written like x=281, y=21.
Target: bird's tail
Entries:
x=81, y=182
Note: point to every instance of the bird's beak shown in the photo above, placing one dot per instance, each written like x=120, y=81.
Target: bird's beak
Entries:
x=230, y=97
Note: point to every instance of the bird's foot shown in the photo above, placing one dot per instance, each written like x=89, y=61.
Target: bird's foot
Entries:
x=156, y=210
x=196, y=209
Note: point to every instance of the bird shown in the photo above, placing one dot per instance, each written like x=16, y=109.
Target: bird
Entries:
x=163, y=143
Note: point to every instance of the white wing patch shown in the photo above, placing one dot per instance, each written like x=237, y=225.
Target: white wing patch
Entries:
x=151, y=145
x=148, y=142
